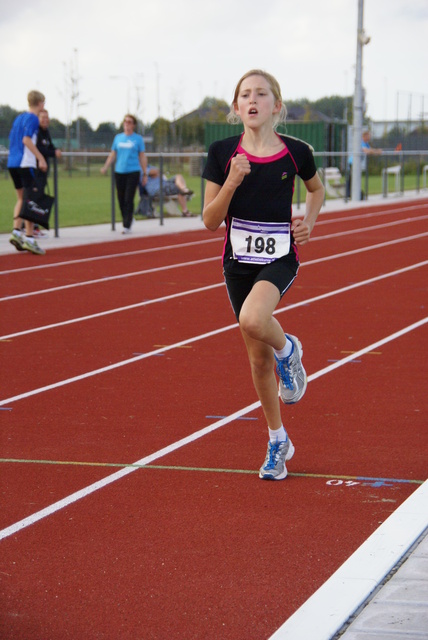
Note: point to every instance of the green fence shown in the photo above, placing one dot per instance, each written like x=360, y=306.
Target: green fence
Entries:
x=322, y=136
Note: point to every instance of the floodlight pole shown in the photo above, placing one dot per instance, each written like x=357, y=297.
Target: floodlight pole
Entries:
x=358, y=109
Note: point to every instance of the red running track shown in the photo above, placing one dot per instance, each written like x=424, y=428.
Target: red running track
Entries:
x=121, y=357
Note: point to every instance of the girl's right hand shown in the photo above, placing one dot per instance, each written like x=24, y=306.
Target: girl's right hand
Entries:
x=239, y=168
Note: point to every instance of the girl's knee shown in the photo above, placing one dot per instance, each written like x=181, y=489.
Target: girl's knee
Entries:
x=251, y=324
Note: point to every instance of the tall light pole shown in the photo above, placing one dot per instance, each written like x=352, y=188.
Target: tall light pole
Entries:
x=362, y=39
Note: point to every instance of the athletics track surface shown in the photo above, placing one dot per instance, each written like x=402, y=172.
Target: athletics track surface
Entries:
x=132, y=436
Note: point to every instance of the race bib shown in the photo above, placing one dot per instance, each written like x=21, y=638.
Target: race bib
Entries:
x=259, y=242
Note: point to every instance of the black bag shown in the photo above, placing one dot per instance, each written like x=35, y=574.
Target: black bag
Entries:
x=37, y=207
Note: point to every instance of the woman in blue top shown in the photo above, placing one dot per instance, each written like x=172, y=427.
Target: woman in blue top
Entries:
x=250, y=183
x=127, y=152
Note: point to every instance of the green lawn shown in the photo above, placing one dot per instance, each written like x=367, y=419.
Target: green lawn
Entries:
x=86, y=199
x=82, y=199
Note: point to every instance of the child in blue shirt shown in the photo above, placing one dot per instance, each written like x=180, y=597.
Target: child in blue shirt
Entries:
x=22, y=163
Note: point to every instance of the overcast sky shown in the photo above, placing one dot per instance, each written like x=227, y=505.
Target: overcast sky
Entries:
x=165, y=56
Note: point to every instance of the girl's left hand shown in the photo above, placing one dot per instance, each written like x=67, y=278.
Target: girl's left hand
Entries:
x=301, y=231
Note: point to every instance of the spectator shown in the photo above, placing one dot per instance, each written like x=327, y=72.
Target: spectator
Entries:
x=175, y=186
x=127, y=153
x=48, y=150
x=46, y=147
x=367, y=151
x=22, y=163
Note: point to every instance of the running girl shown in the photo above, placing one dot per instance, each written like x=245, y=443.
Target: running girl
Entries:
x=250, y=184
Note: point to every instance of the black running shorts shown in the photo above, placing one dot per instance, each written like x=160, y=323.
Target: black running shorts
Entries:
x=23, y=177
x=240, y=277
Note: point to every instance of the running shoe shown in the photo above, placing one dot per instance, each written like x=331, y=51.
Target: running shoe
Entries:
x=17, y=240
x=33, y=247
x=277, y=455
x=292, y=376
x=39, y=233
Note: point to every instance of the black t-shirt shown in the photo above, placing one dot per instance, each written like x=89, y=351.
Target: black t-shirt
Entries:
x=266, y=194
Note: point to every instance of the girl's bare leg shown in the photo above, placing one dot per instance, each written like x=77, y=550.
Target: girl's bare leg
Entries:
x=262, y=333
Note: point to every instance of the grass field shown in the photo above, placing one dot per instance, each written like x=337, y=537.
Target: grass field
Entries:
x=86, y=199
x=82, y=199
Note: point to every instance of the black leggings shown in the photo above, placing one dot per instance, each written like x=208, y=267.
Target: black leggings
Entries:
x=126, y=186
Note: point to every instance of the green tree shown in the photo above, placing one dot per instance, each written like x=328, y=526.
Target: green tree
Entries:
x=214, y=110
x=104, y=134
x=56, y=128
x=189, y=130
x=161, y=134
x=333, y=107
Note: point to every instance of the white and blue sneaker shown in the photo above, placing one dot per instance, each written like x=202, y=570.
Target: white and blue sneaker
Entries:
x=292, y=376
x=278, y=453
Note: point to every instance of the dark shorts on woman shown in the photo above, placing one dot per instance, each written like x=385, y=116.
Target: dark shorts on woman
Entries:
x=240, y=278
x=169, y=187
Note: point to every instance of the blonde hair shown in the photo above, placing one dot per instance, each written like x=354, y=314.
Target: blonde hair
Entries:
x=233, y=117
x=34, y=98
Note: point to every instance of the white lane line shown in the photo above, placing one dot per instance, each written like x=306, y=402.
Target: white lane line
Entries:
x=195, y=262
x=348, y=218
x=374, y=214
x=128, y=307
x=137, y=305
x=120, y=276
x=116, y=365
x=374, y=227
x=82, y=493
x=143, y=356
x=111, y=256
x=330, y=607
x=372, y=247
x=191, y=263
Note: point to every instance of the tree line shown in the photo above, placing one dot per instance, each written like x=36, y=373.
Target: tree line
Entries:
x=186, y=132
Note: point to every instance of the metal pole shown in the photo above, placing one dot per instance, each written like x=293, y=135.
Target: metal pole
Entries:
x=385, y=179
x=201, y=170
x=55, y=177
x=161, y=189
x=113, y=201
x=324, y=165
x=358, y=110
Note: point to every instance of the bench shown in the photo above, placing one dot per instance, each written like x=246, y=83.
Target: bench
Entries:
x=170, y=204
x=333, y=182
x=394, y=171
x=148, y=205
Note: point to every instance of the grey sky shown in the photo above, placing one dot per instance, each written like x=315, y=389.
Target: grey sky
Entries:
x=168, y=56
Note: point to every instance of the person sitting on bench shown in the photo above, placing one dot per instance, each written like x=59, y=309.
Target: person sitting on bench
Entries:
x=175, y=186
